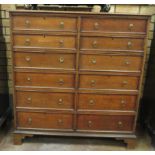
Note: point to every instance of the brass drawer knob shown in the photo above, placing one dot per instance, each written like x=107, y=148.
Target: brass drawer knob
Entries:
x=29, y=99
x=94, y=44
x=89, y=123
x=125, y=82
x=93, y=61
x=61, y=81
x=29, y=120
x=61, y=60
x=123, y=103
x=28, y=79
x=61, y=43
x=61, y=25
x=127, y=62
x=60, y=122
x=96, y=26
x=93, y=82
x=120, y=124
x=28, y=59
x=27, y=23
x=27, y=42
x=60, y=101
x=129, y=44
x=91, y=102
x=131, y=26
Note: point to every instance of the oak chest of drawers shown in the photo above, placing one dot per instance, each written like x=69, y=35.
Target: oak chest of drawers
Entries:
x=77, y=74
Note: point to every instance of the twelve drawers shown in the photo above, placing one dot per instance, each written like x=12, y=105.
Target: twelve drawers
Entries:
x=44, y=23
x=29, y=54
x=109, y=82
x=106, y=102
x=45, y=100
x=44, y=120
x=113, y=25
x=105, y=122
x=110, y=62
x=42, y=41
x=111, y=43
x=45, y=80
x=44, y=60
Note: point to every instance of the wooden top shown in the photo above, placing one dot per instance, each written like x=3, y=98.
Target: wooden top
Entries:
x=76, y=13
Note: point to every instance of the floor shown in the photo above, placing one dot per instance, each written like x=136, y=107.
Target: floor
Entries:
x=44, y=143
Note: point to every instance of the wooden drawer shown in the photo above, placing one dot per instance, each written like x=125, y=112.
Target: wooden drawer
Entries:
x=44, y=41
x=109, y=82
x=44, y=120
x=110, y=62
x=105, y=122
x=44, y=23
x=111, y=43
x=113, y=25
x=44, y=100
x=45, y=60
x=45, y=80
x=106, y=102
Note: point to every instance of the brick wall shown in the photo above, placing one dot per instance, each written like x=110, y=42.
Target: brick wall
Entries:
x=5, y=50
x=5, y=53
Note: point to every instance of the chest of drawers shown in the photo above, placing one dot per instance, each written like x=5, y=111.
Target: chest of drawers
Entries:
x=77, y=74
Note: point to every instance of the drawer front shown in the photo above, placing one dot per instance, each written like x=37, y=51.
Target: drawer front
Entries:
x=111, y=43
x=108, y=82
x=47, y=60
x=106, y=102
x=110, y=62
x=43, y=41
x=44, y=23
x=45, y=100
x=44, y=120
x=45, y=80
x=114, y=25
x=105, y=122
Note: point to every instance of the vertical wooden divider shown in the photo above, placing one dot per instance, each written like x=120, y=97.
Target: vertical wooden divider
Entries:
x=77, y=72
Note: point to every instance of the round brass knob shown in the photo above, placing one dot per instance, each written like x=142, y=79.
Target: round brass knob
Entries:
x=28, y=79
x=125, y=82
x=120, y=124
x=29, y=99
x=60, y=101
x=29, y=120
x=89, y=123
x=61, y=81
x=123, y=101
x=27, y=23
x=93, y=61
x=93, y=83
x=129, y=44
x=61, y=60
x=91, y=102
x=61, y=43
x=131, y=26
x=127, y=62
x=96, y=26
x=61, y=24
x=28, y=59
x=60, y=122
x=27, y=42
x=94, y=44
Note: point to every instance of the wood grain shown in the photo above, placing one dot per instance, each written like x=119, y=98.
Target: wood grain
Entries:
x=113, y=25
x=42, y=22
